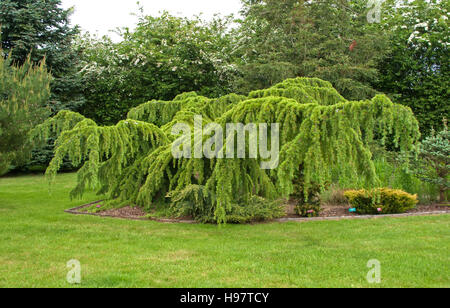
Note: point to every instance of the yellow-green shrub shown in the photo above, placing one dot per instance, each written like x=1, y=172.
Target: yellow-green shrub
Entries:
x=389, y=201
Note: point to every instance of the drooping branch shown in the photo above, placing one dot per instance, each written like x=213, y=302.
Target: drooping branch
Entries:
x=318, y=131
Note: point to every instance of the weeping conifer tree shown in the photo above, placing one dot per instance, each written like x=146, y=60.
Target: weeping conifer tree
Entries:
x=319, y=131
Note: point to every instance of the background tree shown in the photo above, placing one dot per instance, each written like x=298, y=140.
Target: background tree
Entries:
x=42, y=28
x=163, y=57
x=331, y=40
x=435, y=164
x=24, y=92
x=416, y=72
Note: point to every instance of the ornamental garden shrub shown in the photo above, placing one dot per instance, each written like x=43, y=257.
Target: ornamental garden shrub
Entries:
x=381, y=201
x=308, y=201
x=305, y=209
x=434, y=164
x=133, y=164
x=256, y=209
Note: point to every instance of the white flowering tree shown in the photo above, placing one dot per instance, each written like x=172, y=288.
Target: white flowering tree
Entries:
x=162, y=57
x=417, y=67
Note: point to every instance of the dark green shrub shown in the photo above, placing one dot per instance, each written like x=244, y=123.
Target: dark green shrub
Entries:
x=381, y=201
x=308, y=210
x=308, y=202
x=257, y=209
x=193, y=201
x=196, y=202
x=312, y=195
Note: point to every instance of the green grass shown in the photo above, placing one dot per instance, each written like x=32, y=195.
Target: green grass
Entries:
x=38, y=238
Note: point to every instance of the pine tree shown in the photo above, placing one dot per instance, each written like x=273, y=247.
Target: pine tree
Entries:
x=38, y=29
x=331, y=40
x=24, y=92
x=41, y=28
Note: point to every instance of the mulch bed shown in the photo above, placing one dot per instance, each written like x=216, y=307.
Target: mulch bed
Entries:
x=342, y=210
x=329, y=212
x=128, y=212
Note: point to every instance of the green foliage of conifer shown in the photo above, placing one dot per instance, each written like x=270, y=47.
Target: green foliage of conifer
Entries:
x=319, y=131
x=435, y=164
x=24, y=91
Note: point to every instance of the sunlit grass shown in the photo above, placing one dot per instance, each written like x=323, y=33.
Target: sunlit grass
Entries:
x=38, y=238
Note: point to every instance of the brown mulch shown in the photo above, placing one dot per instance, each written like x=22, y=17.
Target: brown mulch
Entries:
x=128, y=212
x=328, y=212
x=343, y=210
x=125, y=212
x=430, y=208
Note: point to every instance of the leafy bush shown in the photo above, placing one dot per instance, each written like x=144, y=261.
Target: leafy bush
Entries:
x=256, y=209
x=194, y=201
x=304, y=195
x=415, y=72
x=308, y=209
x=394, y=169
x=308, y=201
x=161, y=58
x=389, y=201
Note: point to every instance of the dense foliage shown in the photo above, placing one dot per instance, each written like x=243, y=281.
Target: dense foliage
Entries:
x=133, y=162
x=162, y=57
x=24, y=91
x=42, y=28
x=381, y=201
x=331, y=40
x=416, y=71
x=435, y=164
x=305, y=209
x=406, y=56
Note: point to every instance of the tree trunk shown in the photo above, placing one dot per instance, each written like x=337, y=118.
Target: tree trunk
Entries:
x=443, y=195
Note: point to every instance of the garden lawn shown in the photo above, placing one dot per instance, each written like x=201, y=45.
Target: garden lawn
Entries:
x=37, y=239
